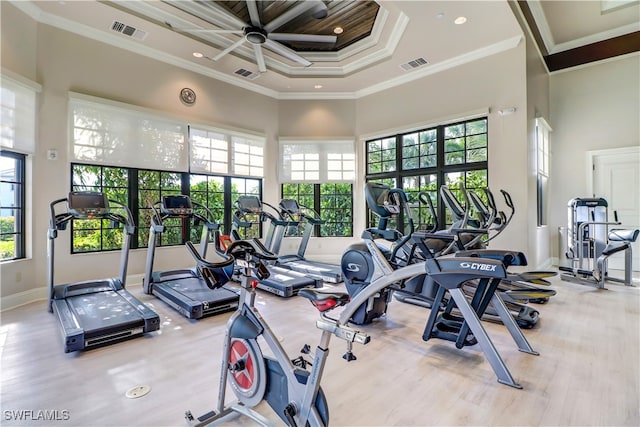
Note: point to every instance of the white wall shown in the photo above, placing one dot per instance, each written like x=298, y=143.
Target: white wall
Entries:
x=19, y=48
x=596, y=107
x=537, y=106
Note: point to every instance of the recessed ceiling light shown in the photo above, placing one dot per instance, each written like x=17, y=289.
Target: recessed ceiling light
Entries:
x=338, y=30
x=460, y=20
x=318, y=86
x=198, y=54
x=440, y=15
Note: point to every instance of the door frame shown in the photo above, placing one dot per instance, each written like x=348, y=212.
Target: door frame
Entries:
x=594, y=153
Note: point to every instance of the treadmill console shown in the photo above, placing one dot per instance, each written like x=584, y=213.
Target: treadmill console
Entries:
x=88, y=204
x=176, y=205
x=249, y=204
x=290, y=205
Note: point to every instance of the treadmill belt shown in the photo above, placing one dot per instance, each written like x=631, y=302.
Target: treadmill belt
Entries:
x=102, y=310
x=196, y=290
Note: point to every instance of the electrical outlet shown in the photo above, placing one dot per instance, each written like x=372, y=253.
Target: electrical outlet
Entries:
x=52, y=154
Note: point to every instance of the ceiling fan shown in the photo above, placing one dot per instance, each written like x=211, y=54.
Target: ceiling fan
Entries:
x=260, y=35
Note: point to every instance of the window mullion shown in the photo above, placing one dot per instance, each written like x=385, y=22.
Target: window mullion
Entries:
x=133, y=200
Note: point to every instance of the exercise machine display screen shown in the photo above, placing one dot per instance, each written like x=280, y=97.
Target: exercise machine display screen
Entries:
x=249, y=204
x=88, y=204
x=290, y=205
x=176, y=205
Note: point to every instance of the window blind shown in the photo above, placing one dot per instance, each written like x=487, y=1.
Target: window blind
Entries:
x=317, y=161
x=216, y=150
x=111, y=133
x=18, y=100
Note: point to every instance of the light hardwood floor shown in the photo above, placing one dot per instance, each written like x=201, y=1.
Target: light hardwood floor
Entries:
x=587, y=372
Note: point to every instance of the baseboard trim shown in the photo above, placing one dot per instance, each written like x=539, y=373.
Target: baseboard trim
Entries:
x=40, y=294
x=22, y=298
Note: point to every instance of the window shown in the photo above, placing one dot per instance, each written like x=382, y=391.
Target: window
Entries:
x=319, y=175
x=424, y=160
x=115, y=145
x=12, y=202
x=332, y=201
x=90, y=235
x=542, y=165
x=139, y=189
x=17, y=139
x=247, y=187
x=152, y=186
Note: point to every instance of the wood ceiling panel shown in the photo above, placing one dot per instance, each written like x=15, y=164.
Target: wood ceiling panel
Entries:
x=355, y=17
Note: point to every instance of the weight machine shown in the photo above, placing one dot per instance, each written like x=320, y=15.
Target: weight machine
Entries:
x=590, y=243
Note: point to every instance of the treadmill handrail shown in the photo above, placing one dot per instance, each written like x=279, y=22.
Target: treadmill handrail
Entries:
x=59, y=221
x=157, y=227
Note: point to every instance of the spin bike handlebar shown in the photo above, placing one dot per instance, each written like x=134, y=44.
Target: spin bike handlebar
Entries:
x=212, y=272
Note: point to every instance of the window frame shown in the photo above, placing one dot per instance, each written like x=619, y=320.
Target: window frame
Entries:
x=395, y=172
x=19, y=199
x=316, y=195
x=133, y=202
x=543, y=159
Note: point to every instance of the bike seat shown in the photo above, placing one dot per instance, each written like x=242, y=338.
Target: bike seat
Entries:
x=324, y=300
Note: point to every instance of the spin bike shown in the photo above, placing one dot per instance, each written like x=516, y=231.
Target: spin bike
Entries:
x=291, y=390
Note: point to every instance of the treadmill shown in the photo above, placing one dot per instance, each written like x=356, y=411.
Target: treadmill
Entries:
x=324, y=271
x=95, y=312
x=186, y=290
x=281, y=281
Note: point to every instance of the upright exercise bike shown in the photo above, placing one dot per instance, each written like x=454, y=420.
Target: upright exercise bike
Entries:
x=291, y=390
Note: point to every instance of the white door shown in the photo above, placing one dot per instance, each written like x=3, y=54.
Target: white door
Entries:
x=616, y=178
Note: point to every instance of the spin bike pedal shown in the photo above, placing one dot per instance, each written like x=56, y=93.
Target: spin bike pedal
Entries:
x=301, y=362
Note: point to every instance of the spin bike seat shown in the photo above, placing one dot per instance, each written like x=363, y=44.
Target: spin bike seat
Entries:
x=324, y=300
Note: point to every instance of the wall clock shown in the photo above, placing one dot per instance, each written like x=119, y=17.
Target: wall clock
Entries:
x=188, y=96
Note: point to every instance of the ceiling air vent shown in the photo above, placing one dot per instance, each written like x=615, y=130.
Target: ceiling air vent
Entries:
x=246, y=74
x=128, y=30
x=411, y=65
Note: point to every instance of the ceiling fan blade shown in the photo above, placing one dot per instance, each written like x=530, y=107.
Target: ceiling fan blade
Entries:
x=187, y=30
x=290, y=14
x=253, y=13
x=257, y=49
x=314, y=38
x=286, y=52
x=229, y=49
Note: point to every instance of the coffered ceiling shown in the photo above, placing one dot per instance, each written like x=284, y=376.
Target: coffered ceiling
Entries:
x=379, y=44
